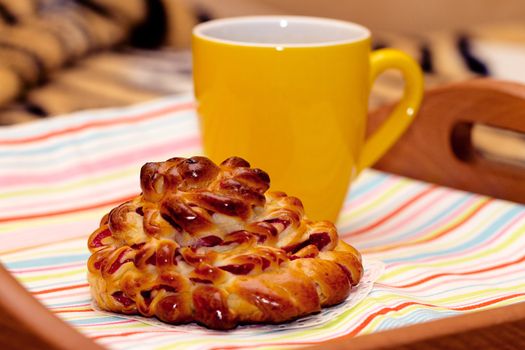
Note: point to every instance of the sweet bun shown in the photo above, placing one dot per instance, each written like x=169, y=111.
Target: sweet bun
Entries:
x=207, y=243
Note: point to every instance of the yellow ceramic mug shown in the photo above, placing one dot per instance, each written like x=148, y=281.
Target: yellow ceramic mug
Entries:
x=290, y=95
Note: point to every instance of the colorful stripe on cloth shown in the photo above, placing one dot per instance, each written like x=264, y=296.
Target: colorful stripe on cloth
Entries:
x=446, y=252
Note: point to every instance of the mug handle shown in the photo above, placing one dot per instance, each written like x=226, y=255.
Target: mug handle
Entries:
x=394, y=126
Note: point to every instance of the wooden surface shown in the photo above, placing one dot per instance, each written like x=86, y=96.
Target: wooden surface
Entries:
x=26, y=324
x=438, y=146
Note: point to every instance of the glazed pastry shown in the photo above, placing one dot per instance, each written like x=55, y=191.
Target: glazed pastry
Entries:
x=206, y=243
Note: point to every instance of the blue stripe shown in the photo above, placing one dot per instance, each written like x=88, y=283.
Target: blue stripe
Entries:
x=361, y=187
x=92, y=135
x=471, y=286
x=47, y=261
x=405, y=236
x=38, y=287
x=371, y=215
x=101, y=319
x=416, y=316
x=484, y=235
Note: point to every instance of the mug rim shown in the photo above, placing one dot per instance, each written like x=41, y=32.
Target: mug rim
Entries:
x=200, y=28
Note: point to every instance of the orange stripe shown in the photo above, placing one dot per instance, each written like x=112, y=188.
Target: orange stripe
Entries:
x=478, y=208
x=93, y=124
x=68, y=211
x=393, y=213
x=426, y=279
x=60, y=289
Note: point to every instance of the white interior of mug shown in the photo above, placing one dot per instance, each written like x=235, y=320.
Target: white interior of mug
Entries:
x=275, y=31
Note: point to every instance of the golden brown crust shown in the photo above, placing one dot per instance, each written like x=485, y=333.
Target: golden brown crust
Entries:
x=206, y=243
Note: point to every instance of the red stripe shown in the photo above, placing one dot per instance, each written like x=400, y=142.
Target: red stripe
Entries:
x=69, y=211
x=486, y=269
x=98, y=123
x=390, y=215
x=438, y=235
x=60, y=289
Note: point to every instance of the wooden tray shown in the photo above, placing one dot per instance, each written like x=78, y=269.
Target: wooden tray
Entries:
x=436, y=148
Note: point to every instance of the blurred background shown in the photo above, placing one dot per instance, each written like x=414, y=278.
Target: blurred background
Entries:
x=60, y=56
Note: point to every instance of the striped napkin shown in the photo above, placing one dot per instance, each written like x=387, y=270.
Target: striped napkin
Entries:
x=445, y=252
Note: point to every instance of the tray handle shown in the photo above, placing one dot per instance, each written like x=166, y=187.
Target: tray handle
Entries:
x=438, y=146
